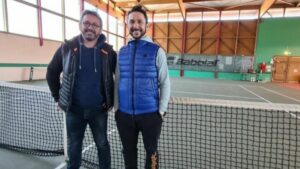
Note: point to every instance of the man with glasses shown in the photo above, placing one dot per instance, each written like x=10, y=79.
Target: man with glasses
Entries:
x=86, y=92
x=143, y=89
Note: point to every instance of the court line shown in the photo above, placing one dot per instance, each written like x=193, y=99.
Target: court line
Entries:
x=205, y=83
x=292, y=114
x=93, y=144
x=218, y=85
x=197, y=93
x=254, y=94
x=280, y=94
x=62, y=165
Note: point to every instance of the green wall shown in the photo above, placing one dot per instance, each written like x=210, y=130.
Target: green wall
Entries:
x=274, y=36
x=174, y=73
x=197, y=74
x=220, y=75
x=229, y=76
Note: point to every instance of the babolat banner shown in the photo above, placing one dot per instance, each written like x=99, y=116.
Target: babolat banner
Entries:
x=210, y=63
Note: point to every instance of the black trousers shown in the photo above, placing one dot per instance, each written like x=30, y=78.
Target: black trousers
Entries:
x=129, y=126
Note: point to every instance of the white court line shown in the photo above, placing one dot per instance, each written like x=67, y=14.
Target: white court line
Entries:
x=205, y=83
x=254, y=94
x=292, y=114
x=91, y=145
x=62, y=165
x=280, y=94
x=197, y=93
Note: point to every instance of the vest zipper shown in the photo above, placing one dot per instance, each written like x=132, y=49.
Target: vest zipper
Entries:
x=132, y=68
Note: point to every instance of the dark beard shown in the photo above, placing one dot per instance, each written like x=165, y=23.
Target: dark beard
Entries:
x=141, y=32
x=89, y=38
x=89, y=30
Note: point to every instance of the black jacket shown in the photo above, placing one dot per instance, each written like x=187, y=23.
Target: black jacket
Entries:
x=64, y=61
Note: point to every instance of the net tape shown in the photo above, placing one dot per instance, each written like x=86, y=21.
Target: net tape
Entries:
x=197, y=133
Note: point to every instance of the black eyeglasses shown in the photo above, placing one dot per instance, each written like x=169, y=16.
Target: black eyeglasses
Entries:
x=88, y=24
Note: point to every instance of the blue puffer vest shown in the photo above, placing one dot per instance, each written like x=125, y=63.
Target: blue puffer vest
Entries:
x=138, y=83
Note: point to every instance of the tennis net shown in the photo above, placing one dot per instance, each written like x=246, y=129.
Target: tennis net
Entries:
x=197, y=133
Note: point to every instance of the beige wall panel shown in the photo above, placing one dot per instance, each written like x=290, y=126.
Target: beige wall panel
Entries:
x=21, y=74
x=26, y=50
x=20, y=49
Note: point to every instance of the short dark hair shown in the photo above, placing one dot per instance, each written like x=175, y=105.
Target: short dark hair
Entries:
x=90, y=12
x=138, y=8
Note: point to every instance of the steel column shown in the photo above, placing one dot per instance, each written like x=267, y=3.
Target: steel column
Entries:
x=153, y=25
x=168, y=32
x=237, y=35
x=107, y=21
x=219, y=35
x=81, y=6
x=124, y=29
x=40, y=26
x=184, y=28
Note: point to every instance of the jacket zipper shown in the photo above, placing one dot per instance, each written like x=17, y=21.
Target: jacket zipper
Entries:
x=105, y=81
x=73, y=67
x=132, y=71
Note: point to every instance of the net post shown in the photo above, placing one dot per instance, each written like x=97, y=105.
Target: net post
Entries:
x=65, y=138
x=31, y=73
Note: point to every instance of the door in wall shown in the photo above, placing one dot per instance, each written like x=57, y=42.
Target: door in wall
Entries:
x=286, y=69
x=293, y=70
x=279, y=68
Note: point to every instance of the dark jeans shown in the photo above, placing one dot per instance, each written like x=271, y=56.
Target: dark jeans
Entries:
x=76, y=126
x=129, y=127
